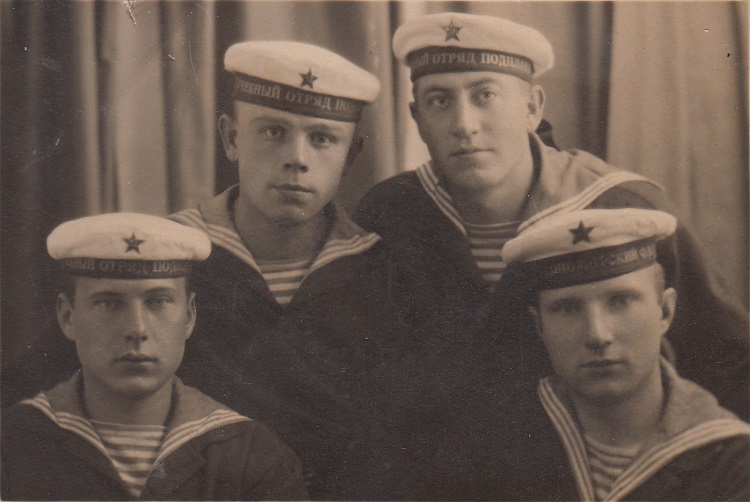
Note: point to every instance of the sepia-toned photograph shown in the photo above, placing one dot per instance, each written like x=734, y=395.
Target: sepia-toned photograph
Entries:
x=374, y=250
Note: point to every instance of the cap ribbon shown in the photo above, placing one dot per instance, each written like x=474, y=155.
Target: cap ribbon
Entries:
x=592, y=265
x=291, y=99
x=127, y=269
x=457, y=59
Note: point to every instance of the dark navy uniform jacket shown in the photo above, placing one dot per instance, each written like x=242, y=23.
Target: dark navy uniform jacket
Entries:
x=304, y=369
x=710, y=331
x=50, y=451
x=699, y=451
x=474, y=352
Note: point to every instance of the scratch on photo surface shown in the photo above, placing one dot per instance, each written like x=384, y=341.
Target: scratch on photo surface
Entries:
x=190, y=55
x=143, y=66
x=129, y=5
x=208, y=15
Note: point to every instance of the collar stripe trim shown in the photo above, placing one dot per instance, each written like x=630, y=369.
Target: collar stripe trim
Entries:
x=332, y=250
x=343, y=242
x=231, y=241
x=586, y=196
x=338, y=248
x=191, y=430
x=571, y=438
x=220, y=235
x=68, y=421
x=431, y=184
x=191, y=218
x=656, y=458
x=648, y=463
x=176, y=438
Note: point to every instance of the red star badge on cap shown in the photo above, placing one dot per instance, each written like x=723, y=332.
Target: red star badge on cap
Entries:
x=581, y=233
x=451, y=31
x=308, y=78
x=133, y=244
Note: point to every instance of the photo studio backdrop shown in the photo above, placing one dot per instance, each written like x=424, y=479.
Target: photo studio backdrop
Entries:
x=112, y=106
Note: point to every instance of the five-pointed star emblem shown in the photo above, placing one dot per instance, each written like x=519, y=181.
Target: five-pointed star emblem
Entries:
x=451, y=31
x=581, y=233
x=133, y=244
x=308, y=78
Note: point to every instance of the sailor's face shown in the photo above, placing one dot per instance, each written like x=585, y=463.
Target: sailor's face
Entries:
x=290, y=165
x=604, y=337
x=129, y=333
x=475, y=125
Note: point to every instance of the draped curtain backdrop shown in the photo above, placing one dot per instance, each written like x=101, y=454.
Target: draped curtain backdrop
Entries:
x=112, y=106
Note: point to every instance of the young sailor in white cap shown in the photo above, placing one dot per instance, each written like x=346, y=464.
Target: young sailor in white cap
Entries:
x=631, y=427
x=124, y=427
x=477, y=104
x=609, y=418
x=295, y=303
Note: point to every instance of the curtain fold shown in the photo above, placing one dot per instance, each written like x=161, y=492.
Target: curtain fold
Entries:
x=188, y=60
x=158, y=79
x=678, y=114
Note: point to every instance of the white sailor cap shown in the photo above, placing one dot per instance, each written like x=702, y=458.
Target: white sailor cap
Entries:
x=588, y=245
x=458, y=42
x=127, y=246
x=300, y=78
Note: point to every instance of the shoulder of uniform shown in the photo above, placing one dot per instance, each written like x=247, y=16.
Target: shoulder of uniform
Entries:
x=23, y=417
x=578, y=175
x=386, y=196
x=248, y=433
x=395, y=185
x=190, y=217
x=635, y=193
x=584, y=163
x=730, y=451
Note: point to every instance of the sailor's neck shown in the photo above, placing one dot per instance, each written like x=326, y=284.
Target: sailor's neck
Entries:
x=270, y=241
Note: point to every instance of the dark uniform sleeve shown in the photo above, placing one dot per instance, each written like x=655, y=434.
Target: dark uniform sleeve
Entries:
x=717, y=471
x=372, y=212
x=710, y=333
x=274, y=472
x=5, y=491
x=736, y=471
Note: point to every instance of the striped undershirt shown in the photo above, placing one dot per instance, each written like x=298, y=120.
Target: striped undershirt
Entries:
x=284, y=277
x=607, y=463
x=133, y=450
x=486, y=243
